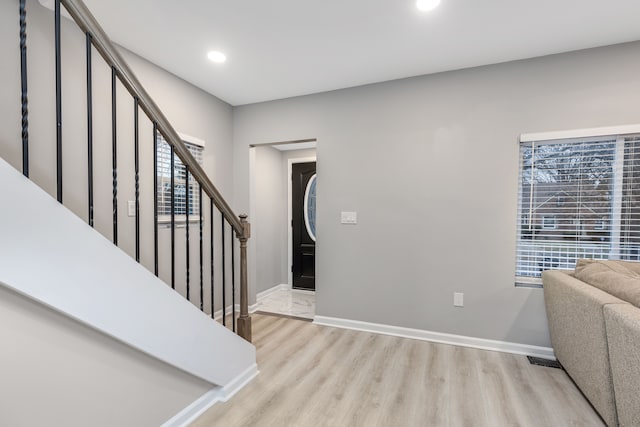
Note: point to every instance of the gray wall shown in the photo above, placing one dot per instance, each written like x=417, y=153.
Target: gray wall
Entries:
x=431, y=166
x=190, y=110
x=268, y=208
x=57, y=372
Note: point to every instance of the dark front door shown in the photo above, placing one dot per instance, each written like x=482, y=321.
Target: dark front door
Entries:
x=303, y=214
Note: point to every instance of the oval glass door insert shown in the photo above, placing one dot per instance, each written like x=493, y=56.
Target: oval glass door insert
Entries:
x=310, y=207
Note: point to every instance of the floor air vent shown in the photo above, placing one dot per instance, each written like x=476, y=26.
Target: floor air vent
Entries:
x=544, y=362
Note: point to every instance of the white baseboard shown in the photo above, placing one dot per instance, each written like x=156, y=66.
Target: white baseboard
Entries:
x=303, y=291
x=218, y=314
x=210, y=398
x=193, y=411
x=276, y=288
x=238, y=383
x=438, y=337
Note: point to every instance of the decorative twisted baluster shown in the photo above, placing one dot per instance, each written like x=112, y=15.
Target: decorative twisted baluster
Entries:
x=186, y=226
x=201, y=248
x=24, y=97
x=136, y=155
x=58, y=102
x=114, y=153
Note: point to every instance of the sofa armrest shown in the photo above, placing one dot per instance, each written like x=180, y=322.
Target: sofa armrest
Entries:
x=623, y=332
x=579, y=339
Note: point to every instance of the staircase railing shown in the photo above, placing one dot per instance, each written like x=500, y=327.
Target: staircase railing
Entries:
x=120, y=71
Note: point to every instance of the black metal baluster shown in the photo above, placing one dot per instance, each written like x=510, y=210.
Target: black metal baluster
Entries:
x=58, y=102
x=114, y=152
x=201, y=249
x=224, y=297
x=173, y=220
x=233, y=282
x=155, y=198
x=24, y=93
x=211, y=259
x=89, y=129
x=186, y=226
x=136, y=155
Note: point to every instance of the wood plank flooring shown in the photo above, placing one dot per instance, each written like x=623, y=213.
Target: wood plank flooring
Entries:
x=313, y=375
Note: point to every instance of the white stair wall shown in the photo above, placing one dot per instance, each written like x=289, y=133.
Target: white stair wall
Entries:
x=51, y=256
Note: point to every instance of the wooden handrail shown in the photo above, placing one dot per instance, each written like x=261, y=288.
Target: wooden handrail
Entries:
x=87, y=22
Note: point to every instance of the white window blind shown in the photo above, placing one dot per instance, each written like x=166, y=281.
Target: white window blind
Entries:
x=578, y=198
x=181, y=184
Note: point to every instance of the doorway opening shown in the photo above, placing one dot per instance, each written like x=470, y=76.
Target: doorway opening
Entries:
x=284, y=257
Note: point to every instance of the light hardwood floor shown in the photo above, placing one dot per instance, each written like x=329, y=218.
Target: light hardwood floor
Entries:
x=320, y=376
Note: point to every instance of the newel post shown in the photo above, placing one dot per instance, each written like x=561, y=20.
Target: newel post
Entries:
x=244, y=321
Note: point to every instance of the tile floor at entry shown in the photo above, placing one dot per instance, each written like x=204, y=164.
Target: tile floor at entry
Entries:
x=289, y=302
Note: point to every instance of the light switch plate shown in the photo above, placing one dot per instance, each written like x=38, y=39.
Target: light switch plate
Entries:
x=458, y=299
x=131, y=208
x=349, y=217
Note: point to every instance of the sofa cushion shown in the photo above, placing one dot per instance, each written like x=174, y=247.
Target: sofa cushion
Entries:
x=613, y=277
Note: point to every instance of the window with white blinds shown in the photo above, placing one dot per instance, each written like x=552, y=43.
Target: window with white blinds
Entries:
x=181, y=184
x=578, y=198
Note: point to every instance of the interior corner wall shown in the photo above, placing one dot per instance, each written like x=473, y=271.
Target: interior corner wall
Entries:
x=431, y=166
x=268, y=208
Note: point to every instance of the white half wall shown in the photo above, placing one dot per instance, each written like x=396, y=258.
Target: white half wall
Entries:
x=51, y=256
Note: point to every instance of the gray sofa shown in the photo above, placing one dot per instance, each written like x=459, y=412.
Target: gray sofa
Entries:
x=594, y=321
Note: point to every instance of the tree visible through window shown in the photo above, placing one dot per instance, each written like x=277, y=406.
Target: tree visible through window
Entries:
x=578, y=198
x=182, y=184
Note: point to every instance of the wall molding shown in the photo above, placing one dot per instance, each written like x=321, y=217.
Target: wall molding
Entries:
x=218, y=314
x=193, y=411
x=437, y=337
x=262, y=295
x=238, y=383
x=210, y=398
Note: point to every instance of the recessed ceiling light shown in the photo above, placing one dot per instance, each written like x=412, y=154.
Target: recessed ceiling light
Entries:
x=427, y=5
x=216, y=56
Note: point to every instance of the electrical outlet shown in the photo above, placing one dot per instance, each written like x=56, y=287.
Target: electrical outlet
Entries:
x=131, y=208
x=458, y=299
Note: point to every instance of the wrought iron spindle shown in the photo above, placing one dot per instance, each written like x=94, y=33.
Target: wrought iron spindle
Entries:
x=114, y=152
x=186, y=226
x=89, y=128
x=136, y=161
x=173, y=219
x=201, y=248
x=155, y=198
x=233, y=283
x=224, y=276
x=23, y=86
x=212, y=268
x=58, y=54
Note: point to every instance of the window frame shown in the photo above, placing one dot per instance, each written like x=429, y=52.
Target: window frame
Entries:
x=180, y=219
x=553, y=226
x=621, y=135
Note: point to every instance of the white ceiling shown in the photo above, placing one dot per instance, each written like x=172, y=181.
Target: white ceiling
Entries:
x=283, y=48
